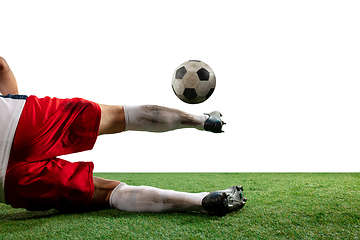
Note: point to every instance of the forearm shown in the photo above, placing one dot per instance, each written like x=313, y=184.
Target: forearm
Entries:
x=8, y=83
x=8, y=87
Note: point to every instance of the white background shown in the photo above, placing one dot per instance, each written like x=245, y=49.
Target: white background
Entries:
x=288, y=77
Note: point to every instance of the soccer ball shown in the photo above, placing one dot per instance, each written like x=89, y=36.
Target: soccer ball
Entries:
x=193, y=81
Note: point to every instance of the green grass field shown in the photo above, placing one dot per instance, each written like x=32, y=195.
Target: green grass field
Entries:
x=279, y=206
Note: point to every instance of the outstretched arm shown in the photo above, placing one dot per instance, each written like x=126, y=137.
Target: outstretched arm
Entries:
x=8, y=83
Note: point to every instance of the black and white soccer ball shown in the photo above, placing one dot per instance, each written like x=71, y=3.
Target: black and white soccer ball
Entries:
x=193, y=81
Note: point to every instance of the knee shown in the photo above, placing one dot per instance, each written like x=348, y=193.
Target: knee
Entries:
x=102, y=191
x=118, y=119
x=112, y=119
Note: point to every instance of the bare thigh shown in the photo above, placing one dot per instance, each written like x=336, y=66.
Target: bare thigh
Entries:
x=112, y=119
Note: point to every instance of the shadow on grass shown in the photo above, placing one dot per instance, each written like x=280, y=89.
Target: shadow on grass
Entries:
x=26, y=215
x=22, y=214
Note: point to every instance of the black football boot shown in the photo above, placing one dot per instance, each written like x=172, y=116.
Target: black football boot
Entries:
x=224, y=201
x=214, y=123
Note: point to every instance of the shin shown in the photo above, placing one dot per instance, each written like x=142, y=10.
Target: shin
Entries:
x=154, y=118
x=150, y=199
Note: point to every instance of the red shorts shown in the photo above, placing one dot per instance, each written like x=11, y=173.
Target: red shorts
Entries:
x=49, y=127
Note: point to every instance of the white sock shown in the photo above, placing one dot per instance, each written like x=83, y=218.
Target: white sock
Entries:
x=149, y=199
x=154, y=118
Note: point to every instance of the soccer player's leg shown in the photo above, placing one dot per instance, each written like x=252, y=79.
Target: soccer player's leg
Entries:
x=114, y=194
x=153, y=118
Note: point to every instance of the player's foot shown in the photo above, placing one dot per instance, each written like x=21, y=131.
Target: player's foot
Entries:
x=224, y=201
x=214, y=123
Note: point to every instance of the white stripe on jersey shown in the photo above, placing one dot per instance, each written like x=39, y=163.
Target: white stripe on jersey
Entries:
x=10, y=111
